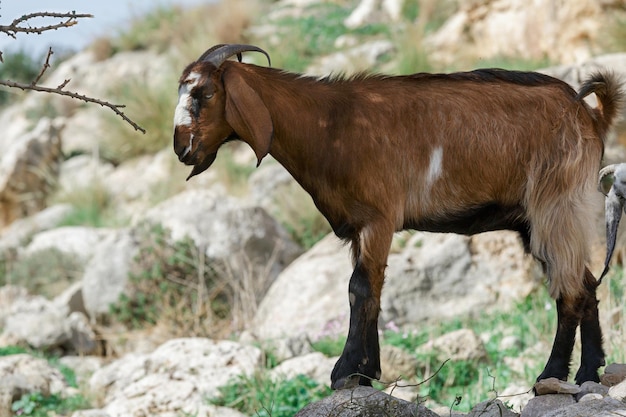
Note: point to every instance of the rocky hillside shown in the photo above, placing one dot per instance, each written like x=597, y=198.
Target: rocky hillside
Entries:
x=141, y=294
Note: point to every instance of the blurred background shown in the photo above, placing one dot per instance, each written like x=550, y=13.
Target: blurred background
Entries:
x=110, y=261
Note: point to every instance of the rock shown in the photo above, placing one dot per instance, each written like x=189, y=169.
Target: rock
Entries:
x=71, y=299
x=22, y=374
x=313, y=365
x=541, y=405
x=618, y=391
x=20, y=231
x=592, y=408
x=82, y=338
x=363, y=402
x=491, y=408
x=590, y=387
x=243, y=240
x=290, y=347
x=353, y=60
x=484, y=29
x=396, y=364
x=76, y=241
x=37, y=322
x=106, y=273
x=29, y=163
x=592, y=396
x=438, y=276
x=555, y=386
x=459, y=345
x=10, y=295
x=516, y=396
x=316, y=282
x=613, y=374
x=192, y=369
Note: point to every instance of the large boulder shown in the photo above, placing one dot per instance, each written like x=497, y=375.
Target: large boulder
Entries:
x=310, y=296
x=434, y=277
x=242, y=240
x=175, y=379
x=438, y=276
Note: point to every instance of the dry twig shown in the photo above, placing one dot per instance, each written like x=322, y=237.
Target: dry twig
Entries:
x=70, y=20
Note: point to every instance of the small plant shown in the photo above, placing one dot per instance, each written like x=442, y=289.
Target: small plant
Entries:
x=38, y=405
x=173, y=283
x=259, y=395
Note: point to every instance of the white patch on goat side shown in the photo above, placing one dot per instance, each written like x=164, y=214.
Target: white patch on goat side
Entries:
x=182, y=115
x=435, y=166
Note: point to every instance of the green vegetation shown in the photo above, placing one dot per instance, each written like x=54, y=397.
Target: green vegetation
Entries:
x=37, y=404
x=175, y=284
x=46, y=272
x=92, y=206
x=17, y=66
x=151, y=105
x=260, y=395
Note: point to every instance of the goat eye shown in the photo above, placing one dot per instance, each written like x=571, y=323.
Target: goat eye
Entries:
x=209, y=96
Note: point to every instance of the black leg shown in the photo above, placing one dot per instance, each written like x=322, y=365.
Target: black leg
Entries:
x=592, y=354
x=559, y=361
x=360, y=361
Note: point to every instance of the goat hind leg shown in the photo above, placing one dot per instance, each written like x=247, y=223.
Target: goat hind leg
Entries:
x=559, y=360
x=592, y=354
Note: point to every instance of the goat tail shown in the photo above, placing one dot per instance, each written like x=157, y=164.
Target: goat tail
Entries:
x=607, y=88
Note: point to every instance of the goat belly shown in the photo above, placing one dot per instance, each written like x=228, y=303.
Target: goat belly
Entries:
x=473, y=220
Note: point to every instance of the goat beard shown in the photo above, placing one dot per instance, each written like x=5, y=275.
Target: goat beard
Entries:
x=202, y=166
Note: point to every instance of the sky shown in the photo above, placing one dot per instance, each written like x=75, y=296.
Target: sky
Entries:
x=109, y=15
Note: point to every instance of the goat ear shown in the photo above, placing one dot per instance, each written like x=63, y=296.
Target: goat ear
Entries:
x=247, y=115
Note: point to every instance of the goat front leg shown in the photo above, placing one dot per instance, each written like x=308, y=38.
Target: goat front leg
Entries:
x=360, y=361
x=592, y=354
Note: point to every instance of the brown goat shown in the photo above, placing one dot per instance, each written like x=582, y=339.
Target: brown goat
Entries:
x=464, y=152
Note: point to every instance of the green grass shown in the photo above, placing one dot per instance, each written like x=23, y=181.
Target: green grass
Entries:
x=261, y=396
x=92, y=206
x=47, y=272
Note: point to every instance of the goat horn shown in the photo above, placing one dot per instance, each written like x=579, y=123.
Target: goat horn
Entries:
x=220, y=53
x=613, y=207
x=606, y=179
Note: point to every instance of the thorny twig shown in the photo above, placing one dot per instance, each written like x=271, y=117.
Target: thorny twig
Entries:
x=70, y=20
x=14, y=28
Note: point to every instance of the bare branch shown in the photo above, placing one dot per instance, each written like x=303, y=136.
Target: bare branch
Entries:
x=60, y=91
x=44, y=67
x=71, y=18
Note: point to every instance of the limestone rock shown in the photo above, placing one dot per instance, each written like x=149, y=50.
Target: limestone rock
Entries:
x=459, y=345
x=192, y=369
x=106, y=273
